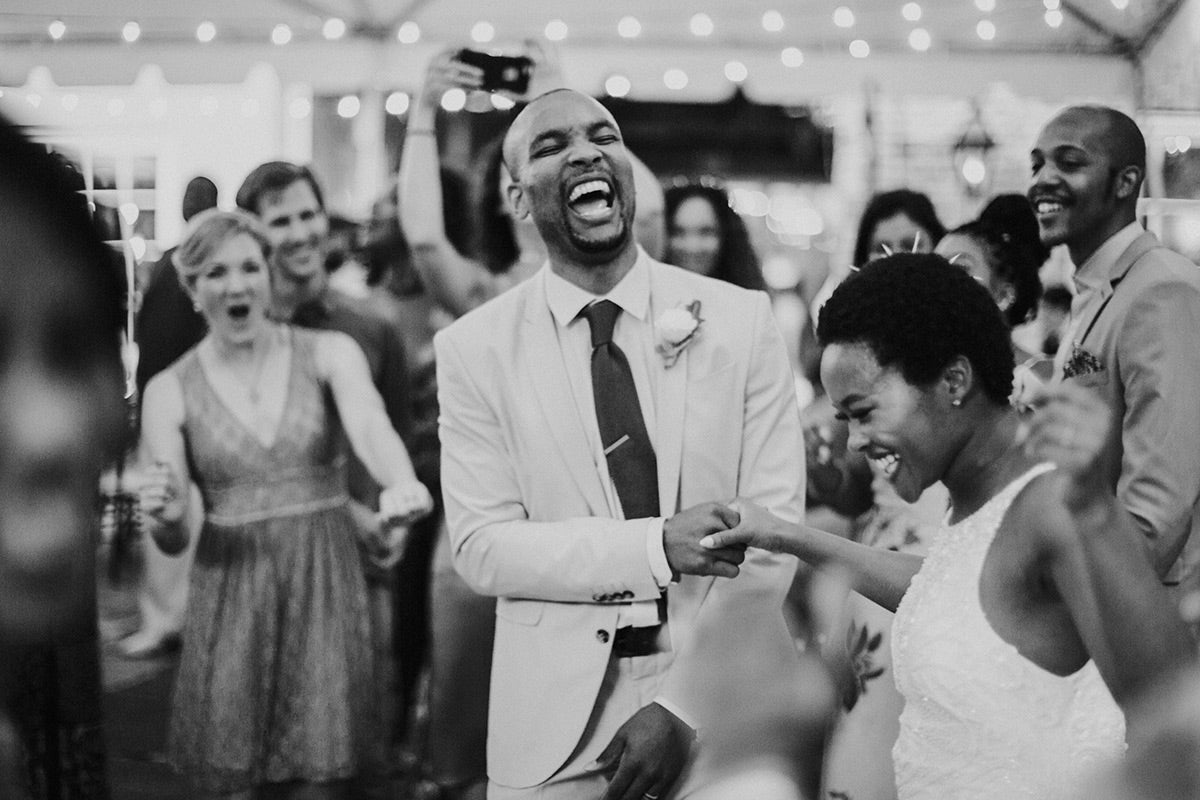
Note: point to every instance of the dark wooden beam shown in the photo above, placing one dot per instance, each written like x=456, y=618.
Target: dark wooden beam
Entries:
x=1159, y=24
x=1121, y=45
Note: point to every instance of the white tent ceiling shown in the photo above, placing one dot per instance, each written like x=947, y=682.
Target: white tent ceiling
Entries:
x=1090, y=52
x=1087, y=26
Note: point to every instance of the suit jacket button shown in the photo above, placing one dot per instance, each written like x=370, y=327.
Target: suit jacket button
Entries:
x=602, y=636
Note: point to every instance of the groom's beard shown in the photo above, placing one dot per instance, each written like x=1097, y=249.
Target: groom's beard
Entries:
x=608, y=245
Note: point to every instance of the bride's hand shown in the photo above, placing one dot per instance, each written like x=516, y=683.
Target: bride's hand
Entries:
x=757, y=528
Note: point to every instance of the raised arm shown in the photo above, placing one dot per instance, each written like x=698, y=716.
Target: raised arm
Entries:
x=457, y=283
x=880, y=575
x=340, y=361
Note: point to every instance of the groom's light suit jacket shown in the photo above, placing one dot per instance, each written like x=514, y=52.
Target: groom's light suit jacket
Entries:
x=530, y=524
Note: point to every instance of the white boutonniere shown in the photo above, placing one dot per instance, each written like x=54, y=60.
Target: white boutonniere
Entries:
x=675, y=329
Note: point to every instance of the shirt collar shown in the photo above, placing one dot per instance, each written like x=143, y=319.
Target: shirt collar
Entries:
x=632, y=293
x=1097, y=269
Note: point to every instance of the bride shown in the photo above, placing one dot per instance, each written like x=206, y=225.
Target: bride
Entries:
x=1036, y=617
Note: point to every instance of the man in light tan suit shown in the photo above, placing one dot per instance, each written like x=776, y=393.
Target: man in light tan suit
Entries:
x=1134, y=323
x=574, y=525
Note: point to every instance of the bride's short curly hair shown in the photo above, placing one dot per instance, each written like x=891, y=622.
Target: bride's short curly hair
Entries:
x=917, y=312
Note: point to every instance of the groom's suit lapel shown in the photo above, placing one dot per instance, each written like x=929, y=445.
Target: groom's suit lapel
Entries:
x=672, y=395
x=546, y=373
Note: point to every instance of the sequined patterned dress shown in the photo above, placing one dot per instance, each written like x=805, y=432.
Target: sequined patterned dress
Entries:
x=275, y=678
x=981, y=721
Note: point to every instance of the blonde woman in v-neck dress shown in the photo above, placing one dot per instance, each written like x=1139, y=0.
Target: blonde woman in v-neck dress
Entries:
x=274, y=691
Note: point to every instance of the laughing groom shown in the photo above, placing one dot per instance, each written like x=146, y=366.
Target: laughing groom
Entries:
x=580, y=412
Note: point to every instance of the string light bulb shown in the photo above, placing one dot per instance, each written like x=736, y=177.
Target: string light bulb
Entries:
x=408, y=33
x=772, y=21
x=483, y=32
x=617, y=86
x=397, y=103
x=334, y=28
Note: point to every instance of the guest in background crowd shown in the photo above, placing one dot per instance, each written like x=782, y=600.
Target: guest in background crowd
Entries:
x=288, y=200
x=1054, y=313
x=1037, y=618
x=1135, y=301
x=276, y=684
x=898, y=221
x=167, y=323
x=167, y=326
x=1002, y=250
x=705, y=235
x=62, y=419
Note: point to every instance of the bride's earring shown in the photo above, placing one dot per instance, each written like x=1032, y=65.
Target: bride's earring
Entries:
x=956, y=402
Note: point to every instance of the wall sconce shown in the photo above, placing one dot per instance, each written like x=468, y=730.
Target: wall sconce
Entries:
x=972, y=155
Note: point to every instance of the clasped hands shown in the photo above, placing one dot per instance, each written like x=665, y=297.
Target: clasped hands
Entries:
x=683, y=532
x=400, y=506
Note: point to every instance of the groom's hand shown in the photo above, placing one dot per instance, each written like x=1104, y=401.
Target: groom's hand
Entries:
x=681, y=541
x=646, y=754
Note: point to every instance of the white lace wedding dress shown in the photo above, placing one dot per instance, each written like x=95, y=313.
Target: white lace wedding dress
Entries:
x=980, y=720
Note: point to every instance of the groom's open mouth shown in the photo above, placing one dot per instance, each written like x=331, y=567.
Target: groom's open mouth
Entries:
x=592, y=199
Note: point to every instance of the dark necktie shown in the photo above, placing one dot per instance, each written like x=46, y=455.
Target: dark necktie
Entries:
x=627, y=448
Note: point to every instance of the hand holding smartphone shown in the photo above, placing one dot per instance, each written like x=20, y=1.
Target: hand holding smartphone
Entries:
x=500, y=73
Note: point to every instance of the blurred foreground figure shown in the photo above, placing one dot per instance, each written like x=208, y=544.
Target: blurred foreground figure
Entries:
x=1165, y=763
x=61, y=420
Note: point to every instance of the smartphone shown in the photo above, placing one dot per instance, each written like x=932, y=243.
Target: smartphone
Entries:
x=510, y=73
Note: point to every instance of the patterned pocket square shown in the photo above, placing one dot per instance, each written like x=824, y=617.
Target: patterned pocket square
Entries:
x=1081, y=362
